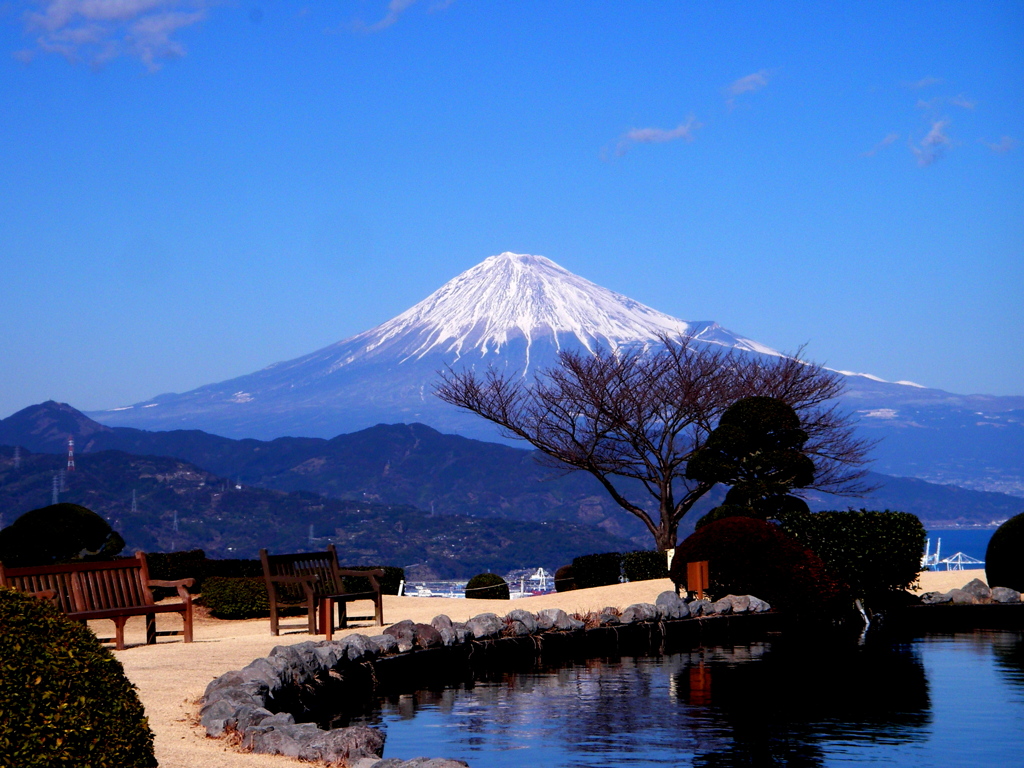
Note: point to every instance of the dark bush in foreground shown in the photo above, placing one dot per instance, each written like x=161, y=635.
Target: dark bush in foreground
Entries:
x=392, y=579
x=1004, y=558
x=875, y=554
x=748, y=556
x=644, y=564
x=597, y=570
x=564, y=581
x=64, y=699
x=58, y=533
x=236, y=598
x=487, y=586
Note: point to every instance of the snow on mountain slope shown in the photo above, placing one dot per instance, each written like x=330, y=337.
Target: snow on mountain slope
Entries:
x=518, y=295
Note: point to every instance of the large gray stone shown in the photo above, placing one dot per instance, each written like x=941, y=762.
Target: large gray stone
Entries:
x=439, y=621
x=384, y=644
x=608, y=619
x=757, y=605
x=344, y=745
x=328, y=654
x=358, y=647
x=1005, y=595
x=405, y=633
x=526, y=618
x=979, y=589
x=670, y=605
x=639, y=612
x=701, y=608
x=936, y=598
x=425, y=636
x=556, y=618
x=961, y=597
x=722, y=607
x=485, y=625
x=739, y=603
x=289, y=740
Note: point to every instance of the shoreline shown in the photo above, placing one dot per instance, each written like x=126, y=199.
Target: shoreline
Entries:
x=172, y=676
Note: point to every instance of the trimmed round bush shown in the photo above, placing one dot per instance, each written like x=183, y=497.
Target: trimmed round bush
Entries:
x=564, y=581
x=487, y=586
x=747, y=556
x=64, y=699
x=1004, y=558
x=236, y=598
x=58, y=533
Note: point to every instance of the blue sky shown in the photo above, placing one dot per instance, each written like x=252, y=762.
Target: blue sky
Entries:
x=191, y=190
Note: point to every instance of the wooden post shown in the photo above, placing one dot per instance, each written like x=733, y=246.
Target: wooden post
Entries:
x=697, y=577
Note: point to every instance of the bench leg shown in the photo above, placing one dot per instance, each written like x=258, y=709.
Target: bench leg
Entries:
x=119, y=632
x=273, y=621
x=378, y=611
x=327, y=617
x=150, y=629
x=187, y=631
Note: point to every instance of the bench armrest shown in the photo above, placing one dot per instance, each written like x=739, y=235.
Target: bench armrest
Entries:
x=371, y=575
x=306, y=581
x=180, y=584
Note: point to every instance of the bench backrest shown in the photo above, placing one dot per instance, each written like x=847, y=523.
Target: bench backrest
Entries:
x=88, y=586
x=324, y=565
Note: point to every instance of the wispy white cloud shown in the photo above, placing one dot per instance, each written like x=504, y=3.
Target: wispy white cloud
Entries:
x=395, y=9
x=963, y=101
x=1002, y=146
x=924, y=82
x=685, y=131
x=934, y=145
x=747, y=84
x=97, y=31
x=889, y=139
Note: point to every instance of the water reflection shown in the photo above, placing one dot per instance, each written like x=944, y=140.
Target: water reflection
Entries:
x=762, y=704
x=782, y=710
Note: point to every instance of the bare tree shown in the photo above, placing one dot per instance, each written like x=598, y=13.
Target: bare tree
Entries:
x=641, y=414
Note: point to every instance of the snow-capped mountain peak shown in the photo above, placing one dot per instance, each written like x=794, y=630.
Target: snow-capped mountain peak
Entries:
x=515, y=296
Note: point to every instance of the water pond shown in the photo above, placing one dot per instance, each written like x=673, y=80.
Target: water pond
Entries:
x=933, y=700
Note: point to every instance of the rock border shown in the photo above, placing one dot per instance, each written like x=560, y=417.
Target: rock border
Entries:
x=255, y=704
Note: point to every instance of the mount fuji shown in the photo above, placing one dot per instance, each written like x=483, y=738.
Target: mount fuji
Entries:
x=515, y=312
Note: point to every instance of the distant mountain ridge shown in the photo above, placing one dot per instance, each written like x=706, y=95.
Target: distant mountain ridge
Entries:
x=415, y=465
x=515, y=311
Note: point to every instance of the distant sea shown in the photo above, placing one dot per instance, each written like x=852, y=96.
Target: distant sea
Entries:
x=971, y=542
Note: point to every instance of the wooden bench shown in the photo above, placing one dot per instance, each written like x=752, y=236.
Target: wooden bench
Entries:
x=314, y=580
x=115, y=590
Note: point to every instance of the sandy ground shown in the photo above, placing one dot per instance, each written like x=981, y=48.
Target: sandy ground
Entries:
x=171, y=676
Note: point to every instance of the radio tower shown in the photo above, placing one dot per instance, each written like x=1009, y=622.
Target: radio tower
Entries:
x=71, y=453
x=54, y=495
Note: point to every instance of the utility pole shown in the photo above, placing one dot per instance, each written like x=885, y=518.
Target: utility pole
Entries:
x=54, y=497
x=71, y=453
x=135, y=505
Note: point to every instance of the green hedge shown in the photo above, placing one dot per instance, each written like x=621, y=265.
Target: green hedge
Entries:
x=874, y=553
x=389, y=584
x=236, y=598
x=597, y=570
x=644, y=565
x=487, y=586
x=64, y=699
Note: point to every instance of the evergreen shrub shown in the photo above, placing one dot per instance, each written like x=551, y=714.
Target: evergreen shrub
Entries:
x=597, y=570
x=487, y=586
x=64, y=699
x=389, y=583
x=747, y=556
x=564, y=581
x=645, y=564
x=193, y=564
x=236, y=598
x=1004, y=558
x=59, y=533
x=876, y=554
